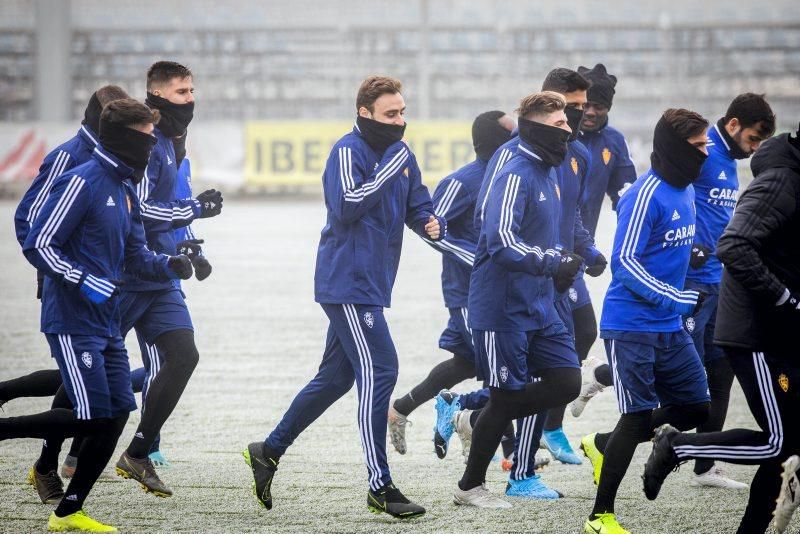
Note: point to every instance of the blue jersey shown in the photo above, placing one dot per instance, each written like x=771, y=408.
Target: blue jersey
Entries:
x=572, y=174
x=368, y=198
x=454, y=199
x=511, y=287
x=183, y=189
x=499, y=158
x=652, y=244
x=161, y=210
x=89, y=229
x=64, y=157
x=716, y=191
x=612, y=168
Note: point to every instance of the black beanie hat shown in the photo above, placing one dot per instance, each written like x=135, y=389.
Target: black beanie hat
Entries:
x=603, y=83
x=488, y=134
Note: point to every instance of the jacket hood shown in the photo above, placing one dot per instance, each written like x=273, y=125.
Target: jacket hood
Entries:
x=774, y=153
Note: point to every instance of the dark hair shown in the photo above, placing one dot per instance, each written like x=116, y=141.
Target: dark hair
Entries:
x=542, y=103
x=109, y=93
x=373, y=87
x=129, y=112
x=565, y=81
x=162, y=72
x=752, y=110
x=685, y=123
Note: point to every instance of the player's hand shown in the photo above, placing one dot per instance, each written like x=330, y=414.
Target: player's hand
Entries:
x=699, y=256
x=568, y=269
x=210, y=203
x=598, y=267
x=189, y=247
x=181, y=267
x=202, y=269
x=432, y=228
x=97, y=289
x=701, y=298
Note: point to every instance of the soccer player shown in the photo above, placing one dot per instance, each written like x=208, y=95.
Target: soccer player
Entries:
x=372, y=186
x=658, y=375
x=522, y=348
x=611, y=172
x=748, y=121
x=157, y=310
x=758, y=317
x=454, y=199
x=88, y=232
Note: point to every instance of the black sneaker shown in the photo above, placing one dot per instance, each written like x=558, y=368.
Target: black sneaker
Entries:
x=661, y=462
x=49, y=486
x=142, y=471
x=264, y=468
x=389, y=500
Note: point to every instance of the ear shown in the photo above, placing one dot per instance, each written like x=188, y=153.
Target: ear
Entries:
x=364, y=112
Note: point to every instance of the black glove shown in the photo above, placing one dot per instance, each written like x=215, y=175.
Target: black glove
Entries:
x=792, y=304
x=210, y=203
x=568, y=269
x=701, y=297
x=600, y=264
x=700, y=255
x=189, y=247
x=181, y=266
x=202, y=269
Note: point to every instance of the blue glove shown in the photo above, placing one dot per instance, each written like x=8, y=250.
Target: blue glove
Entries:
x=96, y=289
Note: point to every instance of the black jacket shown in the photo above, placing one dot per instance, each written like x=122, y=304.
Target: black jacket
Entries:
x=760, y=249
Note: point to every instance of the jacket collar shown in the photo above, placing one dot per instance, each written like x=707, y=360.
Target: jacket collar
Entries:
x=88, y=136
x=525, y=150
x=111, y=163
x=717, y=142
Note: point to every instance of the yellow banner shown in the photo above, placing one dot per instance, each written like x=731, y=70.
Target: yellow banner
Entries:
x=295, y=153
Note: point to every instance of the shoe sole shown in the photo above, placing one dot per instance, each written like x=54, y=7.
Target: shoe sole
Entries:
x=786, y=474
x=249, y=462
x=410, y=515
x=126, y=475
x=595, y=479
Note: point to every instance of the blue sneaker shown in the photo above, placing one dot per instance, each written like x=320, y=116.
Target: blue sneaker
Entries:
x=558, y=445
x=159, y=460
x=447, y=405
x=531, y=488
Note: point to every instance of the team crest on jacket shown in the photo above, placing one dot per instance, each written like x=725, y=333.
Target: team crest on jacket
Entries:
x=606, y=155
x=503, y=374
x=783, y=382
x=86, y=358
x=369, y=319
x=690, y=324
x=574, y=164
x=573, y=294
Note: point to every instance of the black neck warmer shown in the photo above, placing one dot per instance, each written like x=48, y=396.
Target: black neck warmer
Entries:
x=91, y=116
x=379, y=135
x=674, y=158
x=179, y=144
x=175, y=118
x=548, y=142
x=574, y=118
x=488, y=135
x=734, y=149
x=132, y=147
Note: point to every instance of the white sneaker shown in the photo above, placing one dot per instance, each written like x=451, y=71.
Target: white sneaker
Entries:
x=464, y=431
x=589, y=386
x=715, y=478
x=479, y=497
x=397, y=429
x=789, y=497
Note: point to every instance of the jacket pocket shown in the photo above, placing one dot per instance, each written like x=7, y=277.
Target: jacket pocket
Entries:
x=370, y=253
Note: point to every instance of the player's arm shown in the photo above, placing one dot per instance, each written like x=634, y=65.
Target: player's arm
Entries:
x=635, y=221
x=769, y=203
x=499, y=158
x=35, y=197
x=622, y=175
x=139, y=260
x=451, y=199
x=420, y=215
x=351, y=189
x=504, y=211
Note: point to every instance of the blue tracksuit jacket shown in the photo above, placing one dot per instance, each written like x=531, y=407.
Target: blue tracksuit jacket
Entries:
x=716, y=192
x=612, y=168
x=89, y=230
x=652, y=244
x=368, y=198
x=511, y=287
x=572, y=174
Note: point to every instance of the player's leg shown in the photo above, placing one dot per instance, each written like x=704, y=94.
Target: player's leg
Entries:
x=583, y=317
x=42, y=383
x=153, y=360
x=333, y=379
x=523, y=481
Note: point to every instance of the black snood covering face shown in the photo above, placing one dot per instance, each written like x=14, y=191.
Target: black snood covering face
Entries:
x=735, y=150
x=674, y=158
x=488, y=135
x=132, y=147
x=91, y=116
x=175, y=118
x=548, y=142
x=379, y=135
x=574, y=118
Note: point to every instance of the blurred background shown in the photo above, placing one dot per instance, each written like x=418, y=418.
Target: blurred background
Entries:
x=276, y=81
